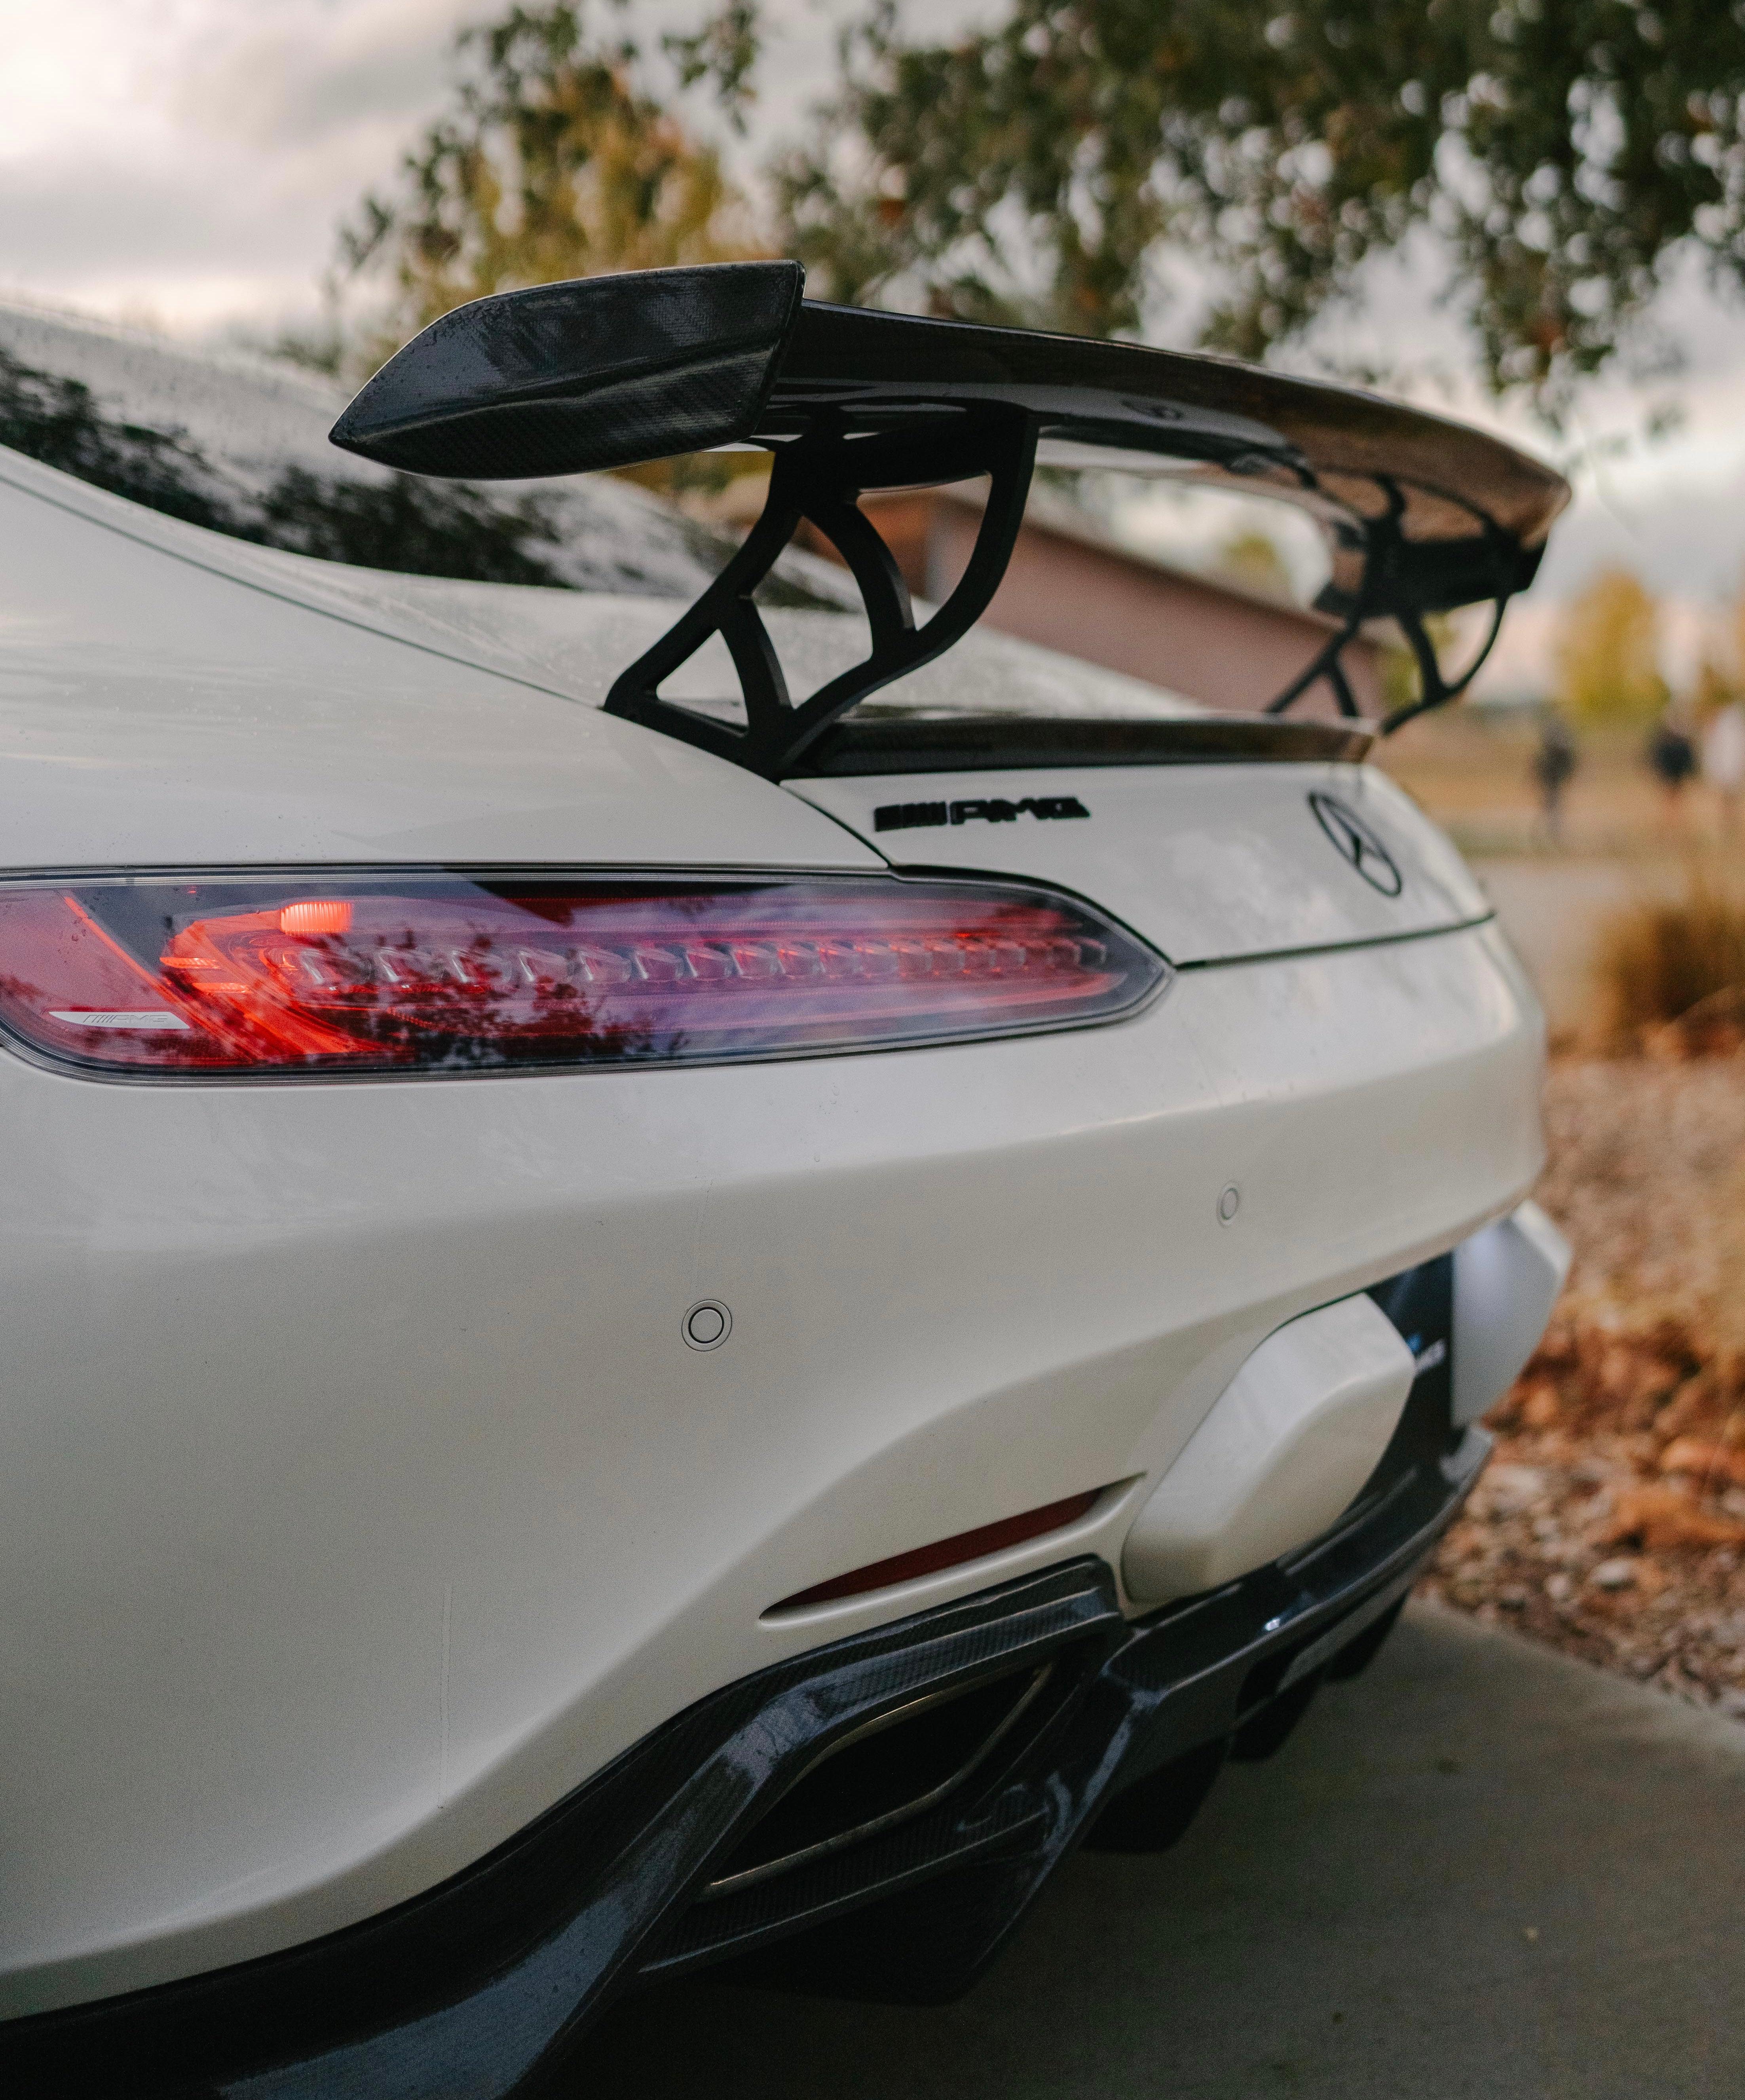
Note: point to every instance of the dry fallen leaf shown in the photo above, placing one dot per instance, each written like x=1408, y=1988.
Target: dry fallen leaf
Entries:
x=1713, y=1461
x=1662, y=1517
x=1541, y=1407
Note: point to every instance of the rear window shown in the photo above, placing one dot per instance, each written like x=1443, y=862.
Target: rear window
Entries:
x=240, y=446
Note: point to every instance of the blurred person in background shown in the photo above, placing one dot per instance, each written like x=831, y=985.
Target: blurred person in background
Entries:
x=1555, y=759
x=1671, y=757
x=1724, y=760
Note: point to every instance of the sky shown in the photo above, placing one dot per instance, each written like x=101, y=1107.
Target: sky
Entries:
x=183, y=164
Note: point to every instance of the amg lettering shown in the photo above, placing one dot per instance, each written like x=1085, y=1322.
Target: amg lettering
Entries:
x=995, y=811
x=992, y=810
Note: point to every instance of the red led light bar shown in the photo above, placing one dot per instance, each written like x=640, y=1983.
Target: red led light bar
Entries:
x=213, y=976
x=944, y=1553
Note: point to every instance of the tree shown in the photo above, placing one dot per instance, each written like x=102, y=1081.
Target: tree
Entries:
x=1607, y=660
x=1039, y=168
x=1251, y=557
x=559, y=160
x=1711, y=690
x=1565, y=151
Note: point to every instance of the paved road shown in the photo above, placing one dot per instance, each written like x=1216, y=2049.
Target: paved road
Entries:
x=1479, y=1870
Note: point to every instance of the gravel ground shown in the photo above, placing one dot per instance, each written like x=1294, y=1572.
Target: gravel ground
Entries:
x=1611, y=1521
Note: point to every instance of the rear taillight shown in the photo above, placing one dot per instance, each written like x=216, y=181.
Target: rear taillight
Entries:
x=214, y=975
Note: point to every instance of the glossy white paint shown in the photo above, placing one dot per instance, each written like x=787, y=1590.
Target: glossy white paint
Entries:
x=1285, y=1447
x=360, y=1496
x=1506, y=1280
x=154, y=713
x=1204, y=860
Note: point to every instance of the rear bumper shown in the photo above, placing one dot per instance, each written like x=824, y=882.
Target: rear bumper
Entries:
x=360, y=1498
x=477, y=1985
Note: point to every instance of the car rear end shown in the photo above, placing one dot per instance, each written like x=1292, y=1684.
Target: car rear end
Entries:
x=617, y=1365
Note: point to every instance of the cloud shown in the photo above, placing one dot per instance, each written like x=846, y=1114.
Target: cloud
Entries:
x=71, y=219
x=197, y=169
x=295, y=75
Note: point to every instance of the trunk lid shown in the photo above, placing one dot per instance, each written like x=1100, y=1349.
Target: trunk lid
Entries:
x=1210, y=862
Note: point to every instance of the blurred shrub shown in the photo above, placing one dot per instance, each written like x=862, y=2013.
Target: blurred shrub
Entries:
x=1670, y=973
x=1607, y=652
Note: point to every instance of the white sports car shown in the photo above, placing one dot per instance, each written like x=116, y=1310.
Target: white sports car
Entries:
x=649, y=1323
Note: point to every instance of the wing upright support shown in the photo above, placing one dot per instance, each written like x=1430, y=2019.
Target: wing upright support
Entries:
x=817, y=478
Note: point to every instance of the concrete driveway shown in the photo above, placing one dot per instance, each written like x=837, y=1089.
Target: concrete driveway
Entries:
x=1480, y=1870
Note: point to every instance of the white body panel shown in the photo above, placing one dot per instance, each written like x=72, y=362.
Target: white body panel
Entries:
x=1506, y=1280
x=154, y=714
x=1286, y=1445
x=359, y=1495
x=1204, y=860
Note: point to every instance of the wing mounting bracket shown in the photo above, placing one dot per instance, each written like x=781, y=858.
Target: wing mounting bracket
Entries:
x=819, y=477
x=1397, y=583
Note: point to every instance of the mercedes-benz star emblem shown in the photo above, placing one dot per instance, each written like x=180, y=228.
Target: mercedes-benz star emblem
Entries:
x=1358, y=844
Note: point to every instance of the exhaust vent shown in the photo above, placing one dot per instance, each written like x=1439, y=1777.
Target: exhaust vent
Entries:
x=891, y=1769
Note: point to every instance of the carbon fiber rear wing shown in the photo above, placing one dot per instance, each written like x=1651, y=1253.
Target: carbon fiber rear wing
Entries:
x=1422, y=514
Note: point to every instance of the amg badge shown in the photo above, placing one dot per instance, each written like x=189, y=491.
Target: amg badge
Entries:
x=911, y=816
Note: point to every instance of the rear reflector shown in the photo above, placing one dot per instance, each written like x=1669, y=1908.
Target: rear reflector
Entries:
x=213, y=976
x=944, y=1553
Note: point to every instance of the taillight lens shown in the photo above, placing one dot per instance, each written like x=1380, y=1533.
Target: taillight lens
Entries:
x=456, y=973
